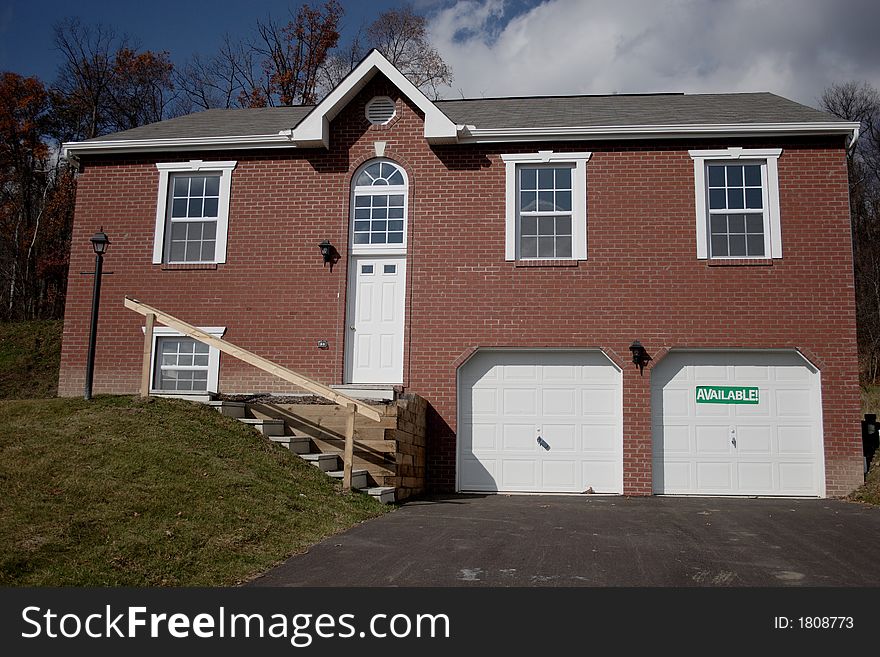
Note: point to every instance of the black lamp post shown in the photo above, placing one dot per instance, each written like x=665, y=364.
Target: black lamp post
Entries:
x=100, y=242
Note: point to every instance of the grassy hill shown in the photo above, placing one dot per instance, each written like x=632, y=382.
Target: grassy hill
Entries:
x=121, y=491
x=30, y=353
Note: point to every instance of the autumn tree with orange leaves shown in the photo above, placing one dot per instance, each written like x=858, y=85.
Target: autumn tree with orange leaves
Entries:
x=36, y=205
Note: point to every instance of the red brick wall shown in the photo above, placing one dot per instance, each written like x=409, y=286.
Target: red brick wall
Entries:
x=641, y=280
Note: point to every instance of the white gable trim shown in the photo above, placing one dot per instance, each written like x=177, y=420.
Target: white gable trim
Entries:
x=314, y=130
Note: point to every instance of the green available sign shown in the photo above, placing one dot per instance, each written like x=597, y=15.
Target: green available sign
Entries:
x=727, y=395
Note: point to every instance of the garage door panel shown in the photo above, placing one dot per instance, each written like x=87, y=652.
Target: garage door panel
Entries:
x=676, y=403
x=520, y=401
x=518, y=438
x=795, y=440
x=750, y=373
x=560, y=437
x=477, y=475
x=764, y=407
x=600, y=402
x=778, y=441
x=711, y=410
x=599, y=373
x=672, y=439
x=789, y=373
x=792, y=403
x=481, y=401
x=711, y=440
x=480, y=436
x=756, y=477
x=754, y=440
x=558, y=401
x=520, y=373
x=572, y=400
x=599, y=475
x=798, y=478
x=560, y=475
x=714, y=476
x=559, y=374
x=717, y=373
x=599, y=439
x=519, y=474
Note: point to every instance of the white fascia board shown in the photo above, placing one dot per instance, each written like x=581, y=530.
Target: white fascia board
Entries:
x=74, y=149
x=489, y=135
x=314, y=129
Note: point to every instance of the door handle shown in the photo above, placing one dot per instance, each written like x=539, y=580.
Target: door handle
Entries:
x=351, y=327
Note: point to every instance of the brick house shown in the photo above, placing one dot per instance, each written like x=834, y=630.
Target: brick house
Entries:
x=499, y=257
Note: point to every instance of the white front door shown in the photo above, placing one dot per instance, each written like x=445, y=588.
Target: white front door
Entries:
x=374, y=344
x=540, y=422
x=737, y=423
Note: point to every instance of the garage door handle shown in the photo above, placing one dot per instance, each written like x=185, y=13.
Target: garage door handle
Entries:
x=733, y=441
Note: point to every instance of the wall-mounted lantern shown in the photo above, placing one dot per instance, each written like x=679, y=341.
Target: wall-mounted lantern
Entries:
x=640, y=357
x=326, y=251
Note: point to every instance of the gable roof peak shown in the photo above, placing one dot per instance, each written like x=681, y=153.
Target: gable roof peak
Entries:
x=314, y=130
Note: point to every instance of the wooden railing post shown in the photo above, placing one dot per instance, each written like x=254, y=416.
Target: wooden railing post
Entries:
x=148, y=355
x=348, y=456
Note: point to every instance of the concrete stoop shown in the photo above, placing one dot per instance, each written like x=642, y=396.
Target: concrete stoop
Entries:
x=301, y=444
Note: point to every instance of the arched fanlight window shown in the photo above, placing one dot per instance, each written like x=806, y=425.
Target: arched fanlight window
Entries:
x=380, y=202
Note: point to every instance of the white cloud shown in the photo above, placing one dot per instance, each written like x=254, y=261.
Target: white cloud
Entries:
x=790, y=47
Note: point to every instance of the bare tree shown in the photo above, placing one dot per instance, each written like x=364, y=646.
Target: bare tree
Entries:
x=293, y=54
x=402, y=36
x=860, y=102
x=217, y=81
x=106, y=84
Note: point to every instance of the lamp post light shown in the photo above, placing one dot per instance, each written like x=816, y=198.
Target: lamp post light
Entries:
x=100, y=242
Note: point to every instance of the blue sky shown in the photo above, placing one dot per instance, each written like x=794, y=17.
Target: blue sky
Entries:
x=794, y=48
x=179, y=26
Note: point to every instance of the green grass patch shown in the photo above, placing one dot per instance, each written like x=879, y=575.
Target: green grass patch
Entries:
x=30, y=354
x=128, y=492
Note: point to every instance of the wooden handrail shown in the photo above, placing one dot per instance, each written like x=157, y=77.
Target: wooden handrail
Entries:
x=251, y=358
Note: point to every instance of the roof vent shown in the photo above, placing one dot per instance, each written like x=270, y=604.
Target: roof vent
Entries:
x=380, y=110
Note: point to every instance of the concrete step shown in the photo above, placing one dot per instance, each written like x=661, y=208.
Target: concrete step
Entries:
x=384, y=494
x=358, y=477
x=296, y=444
x=264, y=426
x=324, y=462
x=229, y=409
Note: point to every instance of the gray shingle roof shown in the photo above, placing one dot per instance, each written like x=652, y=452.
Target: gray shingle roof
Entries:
x=621, y=110
x=527, y=112
x=218, y=123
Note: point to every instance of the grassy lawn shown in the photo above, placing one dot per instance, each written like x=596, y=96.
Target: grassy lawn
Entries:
x=30, y=353
x=870, y=491
x=129, y=492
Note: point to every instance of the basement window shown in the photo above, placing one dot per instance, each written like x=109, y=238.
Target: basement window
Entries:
x=184, y=365
x=546, y=206
x=192, y=212
x=737, y=203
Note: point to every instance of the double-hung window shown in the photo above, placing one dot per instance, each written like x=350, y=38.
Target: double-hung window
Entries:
x=192, y=212
x=737, y=203
x=545, y=207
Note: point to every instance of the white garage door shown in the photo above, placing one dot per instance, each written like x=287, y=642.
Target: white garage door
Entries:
x=540, y=422
x=737, y=423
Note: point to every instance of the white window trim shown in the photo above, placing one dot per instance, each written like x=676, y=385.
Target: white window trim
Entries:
x=213, y=358
x=771, y=205
x=363, y=190
x=193, y=166
x=578, y=198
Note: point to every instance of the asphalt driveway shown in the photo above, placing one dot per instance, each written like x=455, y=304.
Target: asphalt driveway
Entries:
x=501, y=540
